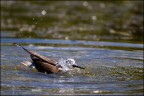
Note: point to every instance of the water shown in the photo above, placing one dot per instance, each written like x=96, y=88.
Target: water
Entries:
x=108, y=71
x=104, y=37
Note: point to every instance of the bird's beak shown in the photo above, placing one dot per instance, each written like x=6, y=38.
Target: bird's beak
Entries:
x=78, y=66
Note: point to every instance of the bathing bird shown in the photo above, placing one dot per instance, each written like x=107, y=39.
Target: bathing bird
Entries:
x=46, y=65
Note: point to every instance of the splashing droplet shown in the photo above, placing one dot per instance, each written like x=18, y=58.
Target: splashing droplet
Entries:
x=43, y=12
x=94, y=18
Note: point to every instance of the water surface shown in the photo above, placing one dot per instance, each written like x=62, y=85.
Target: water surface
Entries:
x=105, y=37
x=108, y=71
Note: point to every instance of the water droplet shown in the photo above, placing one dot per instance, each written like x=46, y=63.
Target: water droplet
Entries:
x=94, y=18
x=66, y=38
x=43, y=12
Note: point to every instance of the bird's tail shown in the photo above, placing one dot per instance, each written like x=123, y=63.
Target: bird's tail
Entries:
x=43, y=58
x=22, y=48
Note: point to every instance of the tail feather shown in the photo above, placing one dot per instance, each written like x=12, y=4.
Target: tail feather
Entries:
x=22, y=48
x=43, y=58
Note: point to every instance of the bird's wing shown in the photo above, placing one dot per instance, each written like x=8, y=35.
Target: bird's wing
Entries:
x=34, y=54
x=46, y=67
x=42, y=58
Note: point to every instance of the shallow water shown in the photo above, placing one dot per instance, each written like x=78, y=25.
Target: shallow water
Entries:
x=105, y=37
x=108, y=71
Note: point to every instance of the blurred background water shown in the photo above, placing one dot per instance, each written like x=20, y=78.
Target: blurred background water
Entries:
x=106, y=37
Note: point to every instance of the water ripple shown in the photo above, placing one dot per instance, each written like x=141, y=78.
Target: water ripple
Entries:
x=71, y=42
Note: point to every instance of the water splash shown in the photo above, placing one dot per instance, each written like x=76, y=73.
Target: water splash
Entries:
x=43, y=12
x=66, y=66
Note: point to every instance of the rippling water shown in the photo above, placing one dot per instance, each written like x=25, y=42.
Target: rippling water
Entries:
x=108, y=71
x=105, y=37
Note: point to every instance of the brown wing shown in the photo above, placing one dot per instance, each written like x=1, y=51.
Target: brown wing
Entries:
x=42, y=58
x=49, y=68
x=42, y=63
x=42, y=66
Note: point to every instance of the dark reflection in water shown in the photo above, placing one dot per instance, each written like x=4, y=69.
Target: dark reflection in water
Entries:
x=83, y=20
x=104, y=37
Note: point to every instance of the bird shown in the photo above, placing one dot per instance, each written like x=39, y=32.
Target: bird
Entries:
x=45, y=65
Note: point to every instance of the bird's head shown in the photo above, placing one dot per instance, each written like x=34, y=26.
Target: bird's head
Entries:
x=71, y=62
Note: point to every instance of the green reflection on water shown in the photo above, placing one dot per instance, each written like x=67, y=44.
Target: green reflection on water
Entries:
x=120, y=21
